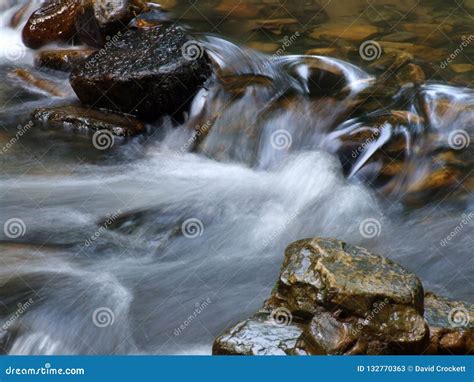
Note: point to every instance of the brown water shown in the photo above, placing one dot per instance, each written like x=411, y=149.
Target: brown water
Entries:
x=331, y=142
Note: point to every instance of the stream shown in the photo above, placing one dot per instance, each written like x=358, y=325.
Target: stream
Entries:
x=111, y=251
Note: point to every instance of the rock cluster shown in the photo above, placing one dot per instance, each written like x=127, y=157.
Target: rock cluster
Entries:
x=145, y=70
x=335, y=298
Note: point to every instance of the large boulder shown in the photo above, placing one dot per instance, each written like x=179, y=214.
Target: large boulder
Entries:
x=146, y=72
x=342, y=299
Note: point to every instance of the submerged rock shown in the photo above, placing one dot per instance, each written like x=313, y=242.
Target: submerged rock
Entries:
x=340, y=299
x=53, y=22
x=353, y=32
x=88, y=119
x=38, y=83
x=61, y=59
x=146, y=72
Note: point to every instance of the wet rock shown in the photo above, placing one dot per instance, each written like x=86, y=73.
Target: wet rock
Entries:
x=423, y=52
x=259, y=335
x=61, y=59
x=411, y=74
x=315, y=273
x=327, y=335
x=53, y=22
x=19, y=15
x=98, y=19
x=88, y=119
x=354, y=32
x=399, y=37
x=429, y=33
x=37, y=82
x=451, y=325
x=146, y=72
x=462, y=68
x=345, y=300
x=275, y=26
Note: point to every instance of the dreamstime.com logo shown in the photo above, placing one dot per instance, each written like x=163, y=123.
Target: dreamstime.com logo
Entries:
x=459, y=317
x=22, y=308
x=14, y=228
x=192, y=228
x=192, y=50
x=370, y=50
x=13, y=52
x=466, y=41
x=45, y=370
x=459, y=139
x=103, y=139
x=21, y=130
x=370, y=228
x=281, y=317
x=103, y=317
x=281, y=139
x=199, y=308
x=369, y=317
x=466, y=219
x=110, y=219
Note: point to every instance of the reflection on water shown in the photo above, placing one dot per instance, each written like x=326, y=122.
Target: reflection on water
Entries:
x=117, y=248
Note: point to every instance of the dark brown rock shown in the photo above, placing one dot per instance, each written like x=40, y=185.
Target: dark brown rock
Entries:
x=98, y=19
x=146, y=72
x=50, y=23
x=61, y=59
x=88, y=119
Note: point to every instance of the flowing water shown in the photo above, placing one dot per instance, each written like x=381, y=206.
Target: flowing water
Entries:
x=161, y=242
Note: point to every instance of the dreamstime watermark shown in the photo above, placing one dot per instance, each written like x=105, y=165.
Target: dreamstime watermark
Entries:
x=13, y=52
x=373, y=137
x=370, y=316
x=14, y=228
x=459, y=317
x=281, y=317
x=21, y=130
x=288, y=41
x=46, y=370
x=199, y=308
x=192, y=228
x=103, y=317
x=370, y=228
x=279, y=230
x=103, y=139
x=111, y=41
x=466, y=41
x=466, y=219
x=459, y=139
x=281, y=139
x=22, y=308
x=370, y=50
x=192, y=50
x=109, y=220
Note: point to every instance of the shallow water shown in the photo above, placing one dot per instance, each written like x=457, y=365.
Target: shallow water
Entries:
x=146, y=234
